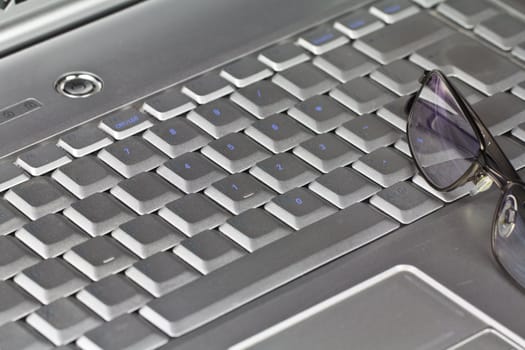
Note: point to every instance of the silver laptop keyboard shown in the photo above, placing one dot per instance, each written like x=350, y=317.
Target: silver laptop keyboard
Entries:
x=161, y=217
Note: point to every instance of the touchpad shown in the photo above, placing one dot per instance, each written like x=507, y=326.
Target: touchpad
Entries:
x=399, y=309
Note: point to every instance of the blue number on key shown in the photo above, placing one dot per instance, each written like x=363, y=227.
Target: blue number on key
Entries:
x=365, y=127
x=235, y=187
x=419, y=140
x=279, y=167
x=230, y=147
x=319, y=108
x=322, y=147
x=127, y=151
x=323, y=39
x=299, y=201
x=385, y=162
x=392, y=8
x=127, y=122
x=173, y=131
x=356, y=24
x=187, y=166
x=217, y=112
x=259, y=94
x=275, y=127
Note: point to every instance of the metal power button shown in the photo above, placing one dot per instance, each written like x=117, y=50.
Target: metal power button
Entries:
x=78, y=85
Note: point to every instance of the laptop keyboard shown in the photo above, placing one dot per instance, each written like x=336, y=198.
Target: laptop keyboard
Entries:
x=161, y=217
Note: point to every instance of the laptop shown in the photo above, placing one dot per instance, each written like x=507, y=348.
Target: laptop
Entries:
x=236, y=175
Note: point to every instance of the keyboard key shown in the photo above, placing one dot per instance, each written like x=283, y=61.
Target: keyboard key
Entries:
x=427, y=3
x=193, y=213
x=14, y=303
x=235, y=152
x=85, y=176
x=447, y=197
x=10, y=218
x=321, y=113
x=245, y=71
x=284, y=172
x=125, y=123
x=402, y=145
x=368, y=132
x=404, y=202
x=513, y=149
x=299, y=208
x=14, y=257
x=113, y=296
x=145, y=193
x=191, y=172
x=401, y=76
x=254, y=229
x=84, y=140
x=503, y=30
x=207, y=88
x=385, y=166
x=177, y=136
x=131, y=156
x=161, y=273
x=392, y=11
x=501, y=112
x=63, y=321
x=454, y=55
x=208, y=250
x=327, y=152
x=11, y=175
x=42, y=159
x=99, y=257
x=519, y=132
x=259, y=273
x=283, y=56
x=98, y=214
x=400, y=39
x=304, y=81
x=321, y=40
x=467, y=13
x=239, y=192
x=38, y=197
x=343, y=187
x=519, y=51
x=147, y=235
x=168, y=104
x=220, y=117
x=519, y=90
x=16, y=335
x=279, y=133
x=263, y=99
x=51, y=235
x=50, y=280
x=345, y=63
x=358, y=24
x=472, y=95
x=362, y=95
x=395, y=112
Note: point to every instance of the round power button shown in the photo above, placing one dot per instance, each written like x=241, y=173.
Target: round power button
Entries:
x=78, y=85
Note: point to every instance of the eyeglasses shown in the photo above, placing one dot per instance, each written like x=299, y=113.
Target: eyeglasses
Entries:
x=451, y=146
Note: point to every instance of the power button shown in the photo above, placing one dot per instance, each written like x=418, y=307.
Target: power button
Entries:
x=78, y=85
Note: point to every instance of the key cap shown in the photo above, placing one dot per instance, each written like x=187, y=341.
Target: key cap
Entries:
x=321, y=113
x=98, y=214
x=193, y=213
x=395, y=112
x=427, y=3
x=50, y=280
x=519, y=132
x=402, y=145
x=161, y=273
x=177, y=136
x=125, y=332
x=63, y=321
x=51, y=235
x=84, y=140
x=304, y=81
x=208, y=250
x=321, y=40
x=368, y=132
x=400, y=39
x=283, y=56
x=254, y=229
x=404, y=202
x=385, y=166
x=503, y=30
x=86, y=176
x=131, y=156
x=240, y=282
x=358, y=24
x=191, y=172
x=513, y=149
x=345, y=63
x=279, y=133
x=467, y=13
x=14, y=303
x=400, y=76
x=472, y=95
x=519, y=51
x=447, y=197
x=145, y=193
x=362, y=95
x=220, y=117
x=11, y=175
x=299, y=208
x=519, y=90
x=113, y=296
x=168, y=104
x=235, y=152
x=392, y=11
x=327, y=152
x=501, y=112
x=42, y=159
x=99, y=257
x=207, y=88
x=147, y=235
x=263, y=99
x=283, y=172
x=14, y=257
x=38, y=197
x=17, y=336
x=454, y=55
x=239, y=192
x=10, y=218
x=245, y=71
x=123, y=124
